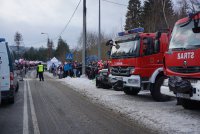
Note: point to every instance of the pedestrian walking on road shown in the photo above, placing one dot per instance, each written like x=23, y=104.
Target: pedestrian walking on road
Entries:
x=40, y=70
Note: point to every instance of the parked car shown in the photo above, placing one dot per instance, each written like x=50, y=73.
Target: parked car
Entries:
x=8, y=73
x=102, y=79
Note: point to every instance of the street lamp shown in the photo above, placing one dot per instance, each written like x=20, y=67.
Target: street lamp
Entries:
x=46, y=34
x=99, y=37
x=49, y=45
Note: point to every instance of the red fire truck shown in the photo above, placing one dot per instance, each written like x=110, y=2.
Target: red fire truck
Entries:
x=137, y=62
x=182, y=61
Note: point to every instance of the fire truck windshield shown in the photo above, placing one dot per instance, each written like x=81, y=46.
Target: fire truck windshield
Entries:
x=184, y=37
x=126, y=49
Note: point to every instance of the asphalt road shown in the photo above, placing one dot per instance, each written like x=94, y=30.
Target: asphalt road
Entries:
x=52, y=108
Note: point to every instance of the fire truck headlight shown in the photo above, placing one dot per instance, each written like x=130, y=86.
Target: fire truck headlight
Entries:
x=133, y=81
x=132, y=70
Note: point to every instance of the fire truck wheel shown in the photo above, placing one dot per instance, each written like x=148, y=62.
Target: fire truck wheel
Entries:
x=117, y=88
x=189, y=104
x=155, y=90
x=131, y=90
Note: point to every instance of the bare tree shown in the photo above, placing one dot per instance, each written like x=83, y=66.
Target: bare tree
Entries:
x=91, y=46
x=164, y=14
x=157, y=14
x=184, y=7
x=18, y=39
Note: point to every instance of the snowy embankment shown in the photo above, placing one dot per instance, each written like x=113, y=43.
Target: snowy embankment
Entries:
x=164, y=117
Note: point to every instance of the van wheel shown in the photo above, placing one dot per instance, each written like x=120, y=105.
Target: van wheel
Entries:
x=3, y=101
x=189, y=104
x=155, y=90
x=12, y=100
x=131, y=90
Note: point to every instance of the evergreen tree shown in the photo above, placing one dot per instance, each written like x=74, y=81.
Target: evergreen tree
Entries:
x=36, y=54
x=157, y=14
x=133, y=16
x=183, y=8
x=18, y=39
x=42, y=54
x=61, y=49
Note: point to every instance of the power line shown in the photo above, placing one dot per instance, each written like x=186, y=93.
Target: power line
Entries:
x=115, y=3
x=73, y=16
x=42, y=41
x=36, y=42
x=69, y=20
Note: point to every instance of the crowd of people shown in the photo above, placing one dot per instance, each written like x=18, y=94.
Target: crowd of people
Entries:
x=92, y=69
x=67, y=69
x=74, y=69
x=71, y=69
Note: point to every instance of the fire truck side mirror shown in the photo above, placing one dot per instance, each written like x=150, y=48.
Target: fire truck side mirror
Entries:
x=109, y=43
x=158, y=35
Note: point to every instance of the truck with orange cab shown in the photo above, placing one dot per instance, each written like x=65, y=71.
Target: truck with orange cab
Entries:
x=137, y=62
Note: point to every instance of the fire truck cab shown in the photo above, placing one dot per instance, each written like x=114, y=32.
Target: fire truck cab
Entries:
x=137, y=62
x=182, y=61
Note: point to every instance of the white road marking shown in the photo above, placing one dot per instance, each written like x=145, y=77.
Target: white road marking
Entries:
x=34, y=118
x=25, y=114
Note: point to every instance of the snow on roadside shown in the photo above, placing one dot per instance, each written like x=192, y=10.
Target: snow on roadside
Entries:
x=161, y=116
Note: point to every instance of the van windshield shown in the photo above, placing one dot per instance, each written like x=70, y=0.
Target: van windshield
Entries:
x=127, y=48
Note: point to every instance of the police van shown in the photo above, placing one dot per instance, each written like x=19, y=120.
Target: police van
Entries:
x=8, y=76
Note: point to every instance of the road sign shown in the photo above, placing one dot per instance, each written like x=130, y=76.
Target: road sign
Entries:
x=69, y=56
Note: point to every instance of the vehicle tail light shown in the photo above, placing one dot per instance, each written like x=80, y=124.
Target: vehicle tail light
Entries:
x=11, y=80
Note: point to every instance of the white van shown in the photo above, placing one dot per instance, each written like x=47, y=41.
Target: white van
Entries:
x=8, y=77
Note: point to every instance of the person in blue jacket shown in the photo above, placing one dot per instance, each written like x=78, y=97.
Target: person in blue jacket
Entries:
x=67, y=68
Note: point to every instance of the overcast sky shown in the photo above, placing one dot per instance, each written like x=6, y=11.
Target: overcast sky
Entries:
x=31, y=17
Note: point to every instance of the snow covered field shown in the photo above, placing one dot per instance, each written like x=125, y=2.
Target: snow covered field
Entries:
x=164, y=117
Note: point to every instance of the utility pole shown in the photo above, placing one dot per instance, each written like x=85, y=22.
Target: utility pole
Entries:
x=49, y=45
x=99, y=38
x=84, y=37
